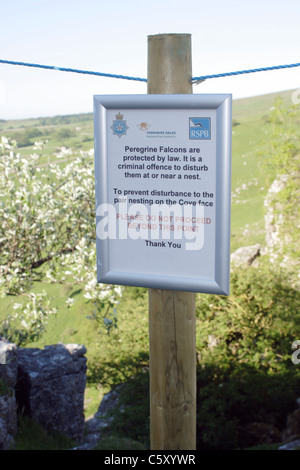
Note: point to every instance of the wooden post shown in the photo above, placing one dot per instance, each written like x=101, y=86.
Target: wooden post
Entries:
x=172, y=314
x=169, y=64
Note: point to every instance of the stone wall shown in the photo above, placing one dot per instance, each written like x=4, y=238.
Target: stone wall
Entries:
x=47, y=385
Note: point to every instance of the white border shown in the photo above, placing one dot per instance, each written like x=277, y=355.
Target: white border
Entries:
x=222, y=103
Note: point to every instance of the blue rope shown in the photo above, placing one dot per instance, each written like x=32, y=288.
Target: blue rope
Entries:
x=63, y=69
x=228, y=74
x=109, y=75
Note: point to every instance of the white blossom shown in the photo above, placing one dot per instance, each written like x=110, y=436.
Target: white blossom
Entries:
x=47, y=222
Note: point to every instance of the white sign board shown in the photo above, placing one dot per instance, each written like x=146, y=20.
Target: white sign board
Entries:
x=163, y=171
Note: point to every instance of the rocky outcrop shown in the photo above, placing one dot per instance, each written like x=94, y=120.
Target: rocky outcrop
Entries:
x=46, y=384
x=281, y=228
x=274, y=219
x=245, y=255
x=51, y=384
x=8, y=407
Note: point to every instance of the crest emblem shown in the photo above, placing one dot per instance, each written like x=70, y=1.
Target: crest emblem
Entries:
x=119, y=126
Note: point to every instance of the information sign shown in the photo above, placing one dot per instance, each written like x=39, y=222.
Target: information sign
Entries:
x=162, y=173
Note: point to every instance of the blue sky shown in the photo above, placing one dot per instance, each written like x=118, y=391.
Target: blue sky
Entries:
x=111, y=37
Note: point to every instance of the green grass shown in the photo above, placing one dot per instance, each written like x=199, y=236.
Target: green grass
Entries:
x=31, y=436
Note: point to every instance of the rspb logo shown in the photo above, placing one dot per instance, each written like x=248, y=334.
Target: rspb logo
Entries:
x=200, y=128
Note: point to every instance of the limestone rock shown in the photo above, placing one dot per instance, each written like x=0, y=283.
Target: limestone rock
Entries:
x=245, y=255
x=8, y=408
x=51, y=384
x=8, y=359
x=274, y=219
x=293, y=445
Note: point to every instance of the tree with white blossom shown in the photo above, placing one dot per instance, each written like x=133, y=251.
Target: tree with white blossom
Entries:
x=47, y=234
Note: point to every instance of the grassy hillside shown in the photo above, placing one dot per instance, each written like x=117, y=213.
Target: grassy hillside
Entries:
x=74, y=132
x=251, y=134
x=114, y=358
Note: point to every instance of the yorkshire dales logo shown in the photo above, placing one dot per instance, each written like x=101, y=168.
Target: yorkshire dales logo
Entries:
x=119, y=126
x=200, y=128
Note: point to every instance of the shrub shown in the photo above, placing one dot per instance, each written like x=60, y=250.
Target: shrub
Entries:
x=64, y=133
x=244, y=343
